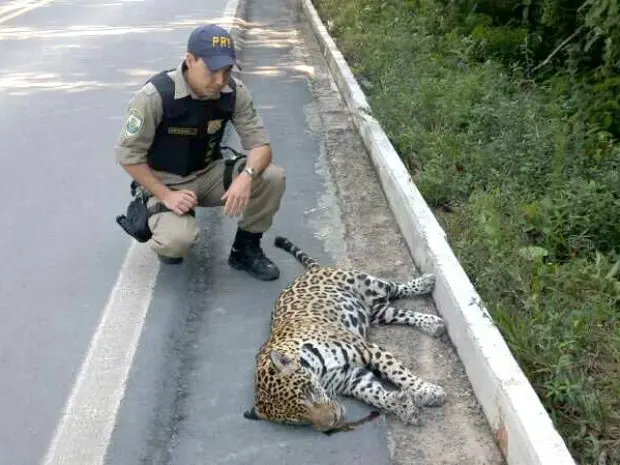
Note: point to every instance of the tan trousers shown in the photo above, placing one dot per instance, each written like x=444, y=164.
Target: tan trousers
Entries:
x=174, y=235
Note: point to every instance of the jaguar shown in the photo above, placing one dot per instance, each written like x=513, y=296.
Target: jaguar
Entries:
x=318, y=348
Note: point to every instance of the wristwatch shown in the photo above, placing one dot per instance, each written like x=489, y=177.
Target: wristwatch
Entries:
x=251, y=171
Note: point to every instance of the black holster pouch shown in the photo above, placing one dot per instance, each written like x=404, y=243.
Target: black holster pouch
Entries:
x=136, y=221
x=229, y=163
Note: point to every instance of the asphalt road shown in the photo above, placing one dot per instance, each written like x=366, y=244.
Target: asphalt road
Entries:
x=67, y=69
x=193, y=372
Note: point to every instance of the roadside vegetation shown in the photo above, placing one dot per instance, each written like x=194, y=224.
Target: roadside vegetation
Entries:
x=507, y=113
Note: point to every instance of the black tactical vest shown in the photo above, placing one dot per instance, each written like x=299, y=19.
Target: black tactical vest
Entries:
x=189, y=134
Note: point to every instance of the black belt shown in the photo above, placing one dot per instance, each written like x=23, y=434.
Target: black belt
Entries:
x=159, y=207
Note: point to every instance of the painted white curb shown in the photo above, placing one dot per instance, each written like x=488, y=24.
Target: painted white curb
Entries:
x=522, y=428
x=233, y=20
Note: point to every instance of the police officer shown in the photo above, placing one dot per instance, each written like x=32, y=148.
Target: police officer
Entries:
x=170, y=146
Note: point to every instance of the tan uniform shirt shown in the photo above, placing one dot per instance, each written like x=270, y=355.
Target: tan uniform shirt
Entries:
x=145, y=111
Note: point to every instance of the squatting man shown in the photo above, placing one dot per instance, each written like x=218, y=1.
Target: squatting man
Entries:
x=170, y=144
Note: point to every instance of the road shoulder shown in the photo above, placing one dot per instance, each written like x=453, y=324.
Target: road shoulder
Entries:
x=457, y=433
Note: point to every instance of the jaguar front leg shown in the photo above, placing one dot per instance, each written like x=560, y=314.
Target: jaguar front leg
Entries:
x=362, y=384
x=390, y=368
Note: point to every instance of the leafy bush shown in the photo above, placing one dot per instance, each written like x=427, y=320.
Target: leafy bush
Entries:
x=522, y=167
x=543, y=37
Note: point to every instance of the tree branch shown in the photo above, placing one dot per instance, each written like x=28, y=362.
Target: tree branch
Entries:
x=557, y=49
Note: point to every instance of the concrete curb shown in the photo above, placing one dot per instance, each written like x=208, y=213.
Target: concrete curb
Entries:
x=234, y=21
x=522, y=428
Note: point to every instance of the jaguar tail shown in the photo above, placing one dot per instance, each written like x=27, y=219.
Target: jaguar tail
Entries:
x=284, y=244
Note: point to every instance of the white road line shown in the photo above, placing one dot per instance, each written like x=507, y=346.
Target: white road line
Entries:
x=14, y=5
x=83, y=434
x=84, y=431
x=25, y=9
x=228, y=16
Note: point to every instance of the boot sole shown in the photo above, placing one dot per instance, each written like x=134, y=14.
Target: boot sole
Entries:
x=238, y=266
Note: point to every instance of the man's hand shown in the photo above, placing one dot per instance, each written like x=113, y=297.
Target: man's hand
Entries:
x=238, y=195
x=181, y=201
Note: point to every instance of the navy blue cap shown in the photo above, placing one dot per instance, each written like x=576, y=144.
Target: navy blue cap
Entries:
x=214, y=45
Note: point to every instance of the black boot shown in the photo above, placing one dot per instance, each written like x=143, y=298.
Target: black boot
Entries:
x=247, y=254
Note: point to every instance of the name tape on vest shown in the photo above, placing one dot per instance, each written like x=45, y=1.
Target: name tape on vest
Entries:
x=182, y=131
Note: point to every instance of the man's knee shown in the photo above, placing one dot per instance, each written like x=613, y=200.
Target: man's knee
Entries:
x=275, y=178
x=176, y=241
x=265, y=201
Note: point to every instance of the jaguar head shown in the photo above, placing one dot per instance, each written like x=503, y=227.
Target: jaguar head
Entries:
x=288, y=392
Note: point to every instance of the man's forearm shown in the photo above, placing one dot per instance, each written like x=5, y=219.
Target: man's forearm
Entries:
x=145, y=177
x=259, y=158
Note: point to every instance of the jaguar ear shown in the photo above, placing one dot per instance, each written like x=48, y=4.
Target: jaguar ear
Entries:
x=281, y=362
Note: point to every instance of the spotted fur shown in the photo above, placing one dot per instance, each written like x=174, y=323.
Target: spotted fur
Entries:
x=318, y=348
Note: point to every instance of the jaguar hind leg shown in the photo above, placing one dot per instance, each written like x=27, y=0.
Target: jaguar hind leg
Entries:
x=428, y=324
x=416, y=287
x=376, y=291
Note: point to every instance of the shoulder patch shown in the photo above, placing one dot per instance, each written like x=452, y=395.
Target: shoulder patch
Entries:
x=149, y=89
x=134, y=123
x=252, y=109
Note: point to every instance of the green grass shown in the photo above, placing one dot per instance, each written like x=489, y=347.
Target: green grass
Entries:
x=528, y=193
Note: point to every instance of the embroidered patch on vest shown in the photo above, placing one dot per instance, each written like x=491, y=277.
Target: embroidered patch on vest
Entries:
x=214, y=126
